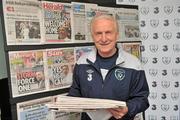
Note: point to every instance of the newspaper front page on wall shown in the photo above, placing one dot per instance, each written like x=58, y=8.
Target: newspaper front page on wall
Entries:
x=27, y=72
x=37, y=110
x=89, y=14
x=57, y=22
x=128, y=23
x=34, y=109
x=23, y=22
x=79, y=22
x=60, y=64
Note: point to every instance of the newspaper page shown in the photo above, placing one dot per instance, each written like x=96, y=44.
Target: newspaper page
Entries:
x=128, y=24
x=57, y=22
x=133, y=48
x=139, y=116
x=78, y=22
x=80, y=104
x=60, y=64
x=58, y=115
x=34, y=109
x=105, y=10
x=37, y=110
x=89, y=14
x=79, y=51
x=27, y=72
x=23, y=22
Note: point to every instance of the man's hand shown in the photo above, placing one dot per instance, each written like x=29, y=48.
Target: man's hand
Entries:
x=118, y=112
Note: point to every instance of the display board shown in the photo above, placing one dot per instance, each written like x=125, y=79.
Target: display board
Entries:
x=160, y=31
x=3, y=71
x=44, y=39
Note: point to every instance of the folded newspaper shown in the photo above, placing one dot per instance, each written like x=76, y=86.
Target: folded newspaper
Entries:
x=79, y=104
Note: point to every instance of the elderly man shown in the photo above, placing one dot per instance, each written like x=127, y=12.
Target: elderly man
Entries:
x=108, y=72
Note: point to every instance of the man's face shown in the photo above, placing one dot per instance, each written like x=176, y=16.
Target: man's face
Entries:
x=105, y=35
x=65, y=69
x=39, y=76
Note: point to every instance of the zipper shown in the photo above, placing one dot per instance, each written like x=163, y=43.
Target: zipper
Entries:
x=117, y=65
x=99, y=72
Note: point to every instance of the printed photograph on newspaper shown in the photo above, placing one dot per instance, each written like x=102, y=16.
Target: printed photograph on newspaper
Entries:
x=27, y=72
x=23, y=22
x=133, y=48
x=79, y=51
x=57, y=22
x=60, y=64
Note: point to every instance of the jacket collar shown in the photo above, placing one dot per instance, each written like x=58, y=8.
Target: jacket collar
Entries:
x=92, y=55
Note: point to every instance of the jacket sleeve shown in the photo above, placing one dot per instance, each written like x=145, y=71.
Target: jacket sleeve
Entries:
x=75, y=89
x=138, y=96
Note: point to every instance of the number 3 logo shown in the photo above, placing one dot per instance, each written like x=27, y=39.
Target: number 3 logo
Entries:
x=89, y=78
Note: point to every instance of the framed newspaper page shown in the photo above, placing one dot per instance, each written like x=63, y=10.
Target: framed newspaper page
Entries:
x=128, y=20
x=57, y=22
x=23, y=22
x=59, y=67
x=78, y=22
x=27, y=72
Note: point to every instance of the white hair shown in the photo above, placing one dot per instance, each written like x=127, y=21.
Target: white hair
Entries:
x=107, y=17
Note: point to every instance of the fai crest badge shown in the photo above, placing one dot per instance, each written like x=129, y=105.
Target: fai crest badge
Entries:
x=119, y=74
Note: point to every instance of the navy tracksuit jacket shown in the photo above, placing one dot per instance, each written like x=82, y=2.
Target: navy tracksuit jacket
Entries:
x=125, y=82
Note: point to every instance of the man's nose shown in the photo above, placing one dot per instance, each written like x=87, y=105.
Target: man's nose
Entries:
x=103, y=37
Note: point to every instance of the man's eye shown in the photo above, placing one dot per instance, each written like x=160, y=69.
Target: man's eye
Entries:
x=108, y=32
x=98, y=33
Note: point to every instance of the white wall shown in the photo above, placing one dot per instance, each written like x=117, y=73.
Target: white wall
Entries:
x=3, y=71
x=160, y=32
